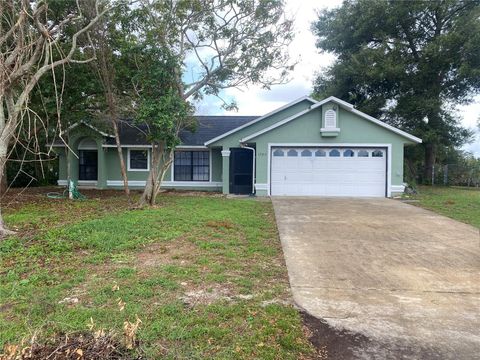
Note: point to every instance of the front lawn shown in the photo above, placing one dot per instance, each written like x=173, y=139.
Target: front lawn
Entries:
x=204, y=274
x=461, y=204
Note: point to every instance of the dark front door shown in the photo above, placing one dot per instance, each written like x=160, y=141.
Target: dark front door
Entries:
x=88, y=165
x=241, y=171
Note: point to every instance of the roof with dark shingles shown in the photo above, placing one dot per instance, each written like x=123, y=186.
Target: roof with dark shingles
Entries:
x=208, y=127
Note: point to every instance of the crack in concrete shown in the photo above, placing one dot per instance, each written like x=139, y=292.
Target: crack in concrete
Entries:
x=387, y=290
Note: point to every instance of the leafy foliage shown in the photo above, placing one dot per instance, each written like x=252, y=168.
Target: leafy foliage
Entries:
x=407, y=62
x=161, y=107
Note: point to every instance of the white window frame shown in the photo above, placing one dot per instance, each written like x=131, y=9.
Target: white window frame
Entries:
x=148, y=159
x=192, y=183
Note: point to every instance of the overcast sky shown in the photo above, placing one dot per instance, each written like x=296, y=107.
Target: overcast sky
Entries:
x=255, y=101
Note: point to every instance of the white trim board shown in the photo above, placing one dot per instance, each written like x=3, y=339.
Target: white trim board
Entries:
x=142, y=183
x=347, y=107
x=128, y=146
x=138, y=183
x=150, y=146
x=332, y=99
x=261, y=186
x=353, y=145
x=277, y=124
x=398, y=188
x=260, y=119
x=63, y=182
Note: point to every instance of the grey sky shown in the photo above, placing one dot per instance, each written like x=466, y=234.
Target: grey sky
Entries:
x=256, y=101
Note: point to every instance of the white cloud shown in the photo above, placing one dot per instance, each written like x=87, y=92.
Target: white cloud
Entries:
x=257, y=101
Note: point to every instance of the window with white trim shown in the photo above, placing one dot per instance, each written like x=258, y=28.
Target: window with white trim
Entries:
x=191, y=166
x=138, y=160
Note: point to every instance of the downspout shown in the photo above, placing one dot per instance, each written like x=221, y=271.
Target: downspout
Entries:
x=253, y=170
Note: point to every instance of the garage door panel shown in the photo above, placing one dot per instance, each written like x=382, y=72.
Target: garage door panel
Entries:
x=308, y=174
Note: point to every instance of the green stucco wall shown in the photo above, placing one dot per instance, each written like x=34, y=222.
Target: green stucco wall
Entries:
x=216, y=164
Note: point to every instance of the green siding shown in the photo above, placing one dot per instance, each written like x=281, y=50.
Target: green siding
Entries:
x=216, y=164
x=62, y=163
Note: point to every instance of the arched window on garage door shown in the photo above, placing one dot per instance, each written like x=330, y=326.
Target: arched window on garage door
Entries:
x=334, y=153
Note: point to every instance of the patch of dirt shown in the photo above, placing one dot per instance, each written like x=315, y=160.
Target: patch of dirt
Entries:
x=283, y=302
x=176, y=252
x=78, y=346
x=208, y=296
x=220, y=224
x=332, y=343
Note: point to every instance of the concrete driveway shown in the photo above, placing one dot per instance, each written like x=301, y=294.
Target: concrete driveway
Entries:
x=404, y=277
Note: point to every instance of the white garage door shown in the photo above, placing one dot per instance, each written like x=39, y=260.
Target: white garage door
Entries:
x=332, y=171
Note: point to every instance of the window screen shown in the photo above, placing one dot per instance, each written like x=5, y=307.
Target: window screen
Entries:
x=192, y=166
x=139, y=159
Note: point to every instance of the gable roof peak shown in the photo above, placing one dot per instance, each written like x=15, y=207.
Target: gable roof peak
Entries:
x=332, y=99
x=303, y=98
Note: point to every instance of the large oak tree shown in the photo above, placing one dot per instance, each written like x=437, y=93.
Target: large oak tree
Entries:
x=407, y=62
x=30, y=34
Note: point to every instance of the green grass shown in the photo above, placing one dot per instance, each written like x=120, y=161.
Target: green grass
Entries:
x=225, y=251
x=462, y=204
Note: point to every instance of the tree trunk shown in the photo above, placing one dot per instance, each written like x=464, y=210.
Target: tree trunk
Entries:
x=149, y=193
x=430, y=155
x=158, y=168
x=123, y=168
x=3, y=182
x=107, y=76
x=3, y=230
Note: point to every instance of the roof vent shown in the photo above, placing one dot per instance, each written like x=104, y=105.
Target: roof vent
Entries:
x=330, y=119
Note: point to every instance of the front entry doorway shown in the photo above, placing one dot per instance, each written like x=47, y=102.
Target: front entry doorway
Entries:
x=88, y=165
x=241, y=171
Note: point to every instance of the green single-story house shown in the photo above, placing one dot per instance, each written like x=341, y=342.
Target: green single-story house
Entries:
x=305, y=148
